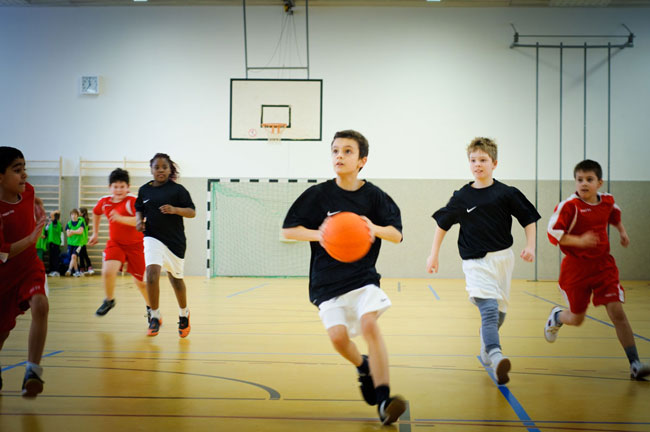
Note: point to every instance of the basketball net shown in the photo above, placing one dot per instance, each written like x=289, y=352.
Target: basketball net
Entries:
x=274, y=131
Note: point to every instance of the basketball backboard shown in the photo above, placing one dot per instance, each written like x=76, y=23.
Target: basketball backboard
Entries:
x=296, y=103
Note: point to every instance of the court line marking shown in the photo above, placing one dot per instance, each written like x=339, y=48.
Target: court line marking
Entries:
x=53, y=353
x=512, y=400
x=434, y=292
x=249, y=289
x=536, y=421
x=273, y=394
x=586, y=316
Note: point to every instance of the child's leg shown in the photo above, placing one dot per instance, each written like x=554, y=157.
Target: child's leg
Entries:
x=342, y=343
x=3, y=337
x=153, y=285
x=109, y=274
x=377, y=353
x=489, y=309
x=38, y=329
x=179, y=290
x=142, y=287
x=622, y=325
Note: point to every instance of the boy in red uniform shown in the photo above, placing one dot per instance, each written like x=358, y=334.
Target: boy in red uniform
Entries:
x=124, y=243
x=579, y=227
x=24, y=284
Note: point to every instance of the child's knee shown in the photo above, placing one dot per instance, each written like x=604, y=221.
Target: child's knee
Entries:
x=369, y=326
x=574, y=319
x=339, y=336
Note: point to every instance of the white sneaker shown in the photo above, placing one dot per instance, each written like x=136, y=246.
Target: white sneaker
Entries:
x=501, y=366
x=68, y=273
x=54, y=274
x=78, y=274
x=485, y=358
x=90, y=271
x=639, y=370
x=551, y=328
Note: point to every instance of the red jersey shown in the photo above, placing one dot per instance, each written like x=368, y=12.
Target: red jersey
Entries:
x=17, y=221
x=576, y=217
x=119, y=232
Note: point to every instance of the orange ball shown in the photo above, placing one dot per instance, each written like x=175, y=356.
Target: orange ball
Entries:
x=346, y=237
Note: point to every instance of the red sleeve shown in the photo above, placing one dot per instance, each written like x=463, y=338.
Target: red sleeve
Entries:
x=98, y=207
x=561, y=221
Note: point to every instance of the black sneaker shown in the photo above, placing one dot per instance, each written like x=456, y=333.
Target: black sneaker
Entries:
x=154, y=326
x=184, y=326
x=391, y=409
x=367, y=386
x=32, y=384
x=105, y=307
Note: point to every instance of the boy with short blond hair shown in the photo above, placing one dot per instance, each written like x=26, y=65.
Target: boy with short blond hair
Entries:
x=579, y=226
x=484, y=210
x=347, y=294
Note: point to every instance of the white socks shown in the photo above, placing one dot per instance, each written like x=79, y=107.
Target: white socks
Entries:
x=184, y=312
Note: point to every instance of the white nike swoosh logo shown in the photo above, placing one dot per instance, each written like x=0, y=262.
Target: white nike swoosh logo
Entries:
x=333, y=213
x=469, y=210
x=146, y=201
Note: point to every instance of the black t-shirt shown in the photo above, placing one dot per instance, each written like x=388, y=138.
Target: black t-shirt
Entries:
x=168, y=228
x=485, y=217
x=328, y=277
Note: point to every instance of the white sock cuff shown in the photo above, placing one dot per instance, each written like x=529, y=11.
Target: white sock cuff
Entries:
x=38, y=370
x=184, y=312
x=155, y=313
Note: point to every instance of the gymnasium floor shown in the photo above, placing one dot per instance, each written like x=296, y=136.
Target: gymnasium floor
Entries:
x=258, y=359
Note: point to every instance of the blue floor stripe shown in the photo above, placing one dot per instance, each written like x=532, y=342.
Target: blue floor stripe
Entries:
x=24, y=362
x=434, y=292
x=246, y=290
x=512, y=400
x=586, y=316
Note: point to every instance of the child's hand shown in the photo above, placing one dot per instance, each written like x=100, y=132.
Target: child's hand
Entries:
x=528, y=254
x=92, y=241
x=372, y=227
x=114, y=216
x=167, y=209
x=38, y=229
x=625, y=240
x=432, y=264
x=588, y=240
x=140, y=225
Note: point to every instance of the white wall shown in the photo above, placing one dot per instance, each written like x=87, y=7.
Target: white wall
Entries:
x=419, y=82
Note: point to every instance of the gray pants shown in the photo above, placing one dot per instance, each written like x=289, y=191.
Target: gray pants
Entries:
x=491, y=321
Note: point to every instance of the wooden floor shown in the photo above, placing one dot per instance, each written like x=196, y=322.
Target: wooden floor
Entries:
x=258, y=359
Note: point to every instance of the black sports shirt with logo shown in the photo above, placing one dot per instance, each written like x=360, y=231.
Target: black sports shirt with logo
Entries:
x=485, y=217
x=329, y=278
x=168, y=228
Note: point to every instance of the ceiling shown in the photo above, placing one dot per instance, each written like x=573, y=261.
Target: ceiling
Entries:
x=337, y=3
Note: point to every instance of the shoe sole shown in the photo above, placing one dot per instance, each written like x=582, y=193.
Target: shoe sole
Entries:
x=184, y=332
x=502, y=371
x=641, y=376
x=32, y=388
x=98, y=313
x=394, y=410
x=554, y=335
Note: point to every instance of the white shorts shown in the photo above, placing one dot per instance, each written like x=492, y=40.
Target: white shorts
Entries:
x=347, y=309
x=156, y=253
x=489, y=277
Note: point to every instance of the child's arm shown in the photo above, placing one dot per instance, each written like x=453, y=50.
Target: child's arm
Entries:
x=125, y=220
x=92, y=241
x=585, y=240
x=139, y=222
x=625, y=240
x=18, y=246
x=389, y=232
x=528, y=254
x=187, y=212
x=301, y=233
x=432, y=261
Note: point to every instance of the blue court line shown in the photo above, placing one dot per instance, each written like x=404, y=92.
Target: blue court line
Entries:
x=246, y=290
x=434, y=292
x=586, y=316
x=25, y=362
x=537, y=421
x=512, y=400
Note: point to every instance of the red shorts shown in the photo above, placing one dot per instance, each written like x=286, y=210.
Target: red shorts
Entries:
x=16, y=293
x=131, y=253
x=580, y=278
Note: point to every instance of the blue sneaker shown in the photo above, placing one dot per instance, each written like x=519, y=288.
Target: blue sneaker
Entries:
x=32, y=384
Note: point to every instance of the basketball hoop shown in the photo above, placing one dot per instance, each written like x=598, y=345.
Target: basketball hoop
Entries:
x=274, y=131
